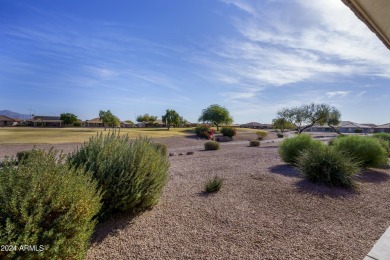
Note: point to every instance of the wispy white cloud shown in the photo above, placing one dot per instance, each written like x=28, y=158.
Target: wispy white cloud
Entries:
x=338, y=93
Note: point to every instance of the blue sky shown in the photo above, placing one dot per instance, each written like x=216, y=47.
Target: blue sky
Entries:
x=136, y=57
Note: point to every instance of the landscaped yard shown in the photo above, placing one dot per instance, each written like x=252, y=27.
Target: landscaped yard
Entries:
x=264, y=210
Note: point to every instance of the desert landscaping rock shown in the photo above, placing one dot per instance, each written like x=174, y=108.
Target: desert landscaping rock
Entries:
x=172, y=154
x=190, y=153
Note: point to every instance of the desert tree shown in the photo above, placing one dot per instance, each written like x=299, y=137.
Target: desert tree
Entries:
x=146, y=118
x=216, y=115
x=282, y=124
x=68, y=118
x=171, y=118
x=109, y=119
x=305, y=116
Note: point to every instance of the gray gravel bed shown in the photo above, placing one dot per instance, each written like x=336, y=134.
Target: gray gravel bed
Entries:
x=263, y=211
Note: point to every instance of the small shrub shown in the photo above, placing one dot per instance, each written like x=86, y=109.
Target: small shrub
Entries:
x=254, y=143
x=131, y=175
x=358, y=130
x=365, y=149
x=228, y=131
x=326, y=165
x=290, y=148
x=280, y=135
x=213, y=185
x=46, y=203
x=162, y=148
x=77, y=124
x=261, y=134
x=204, y=131
x=211, y=145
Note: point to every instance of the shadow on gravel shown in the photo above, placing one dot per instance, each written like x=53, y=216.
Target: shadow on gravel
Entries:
x=285, y=170
x=322, y=191
x=206, y=194
x=112, y=226
x=373, y=176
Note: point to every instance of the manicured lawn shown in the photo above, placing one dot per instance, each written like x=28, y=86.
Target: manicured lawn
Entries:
x=20, y=135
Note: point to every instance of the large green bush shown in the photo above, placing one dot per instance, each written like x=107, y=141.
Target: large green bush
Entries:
x=384, y=139
x=290, y=148
x=365, y=149
x=329, y=166
x=131, y=174
x=48, y=205
x=228, y=131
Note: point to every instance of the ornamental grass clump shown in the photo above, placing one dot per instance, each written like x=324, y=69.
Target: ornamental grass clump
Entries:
x=131, y=174
x=254, y=143
x=290, y=148
x=365, y=149
x=213, y=185
x=46, y=204
x=211, y=145
x=384, y=139
x=329, y=166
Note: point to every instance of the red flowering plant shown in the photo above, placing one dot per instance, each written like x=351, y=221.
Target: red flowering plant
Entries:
x=204, y=131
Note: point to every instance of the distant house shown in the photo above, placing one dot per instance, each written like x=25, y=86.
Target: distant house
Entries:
x=256, y=125
x=53, y=121
x=7, y=121
x=345, y=127
x=382, y=128
x=95, y=122
x=125, y=124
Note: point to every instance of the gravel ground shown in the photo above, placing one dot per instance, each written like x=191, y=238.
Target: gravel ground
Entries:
x=263, y=211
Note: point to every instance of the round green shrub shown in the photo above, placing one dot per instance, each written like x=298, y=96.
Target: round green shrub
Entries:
x=228, y=131
x=290, y=148
x=254, y=143
x=47, y=204
x=326, y=165
x=131, y=174
x=211, y=145
x=261, y=134
x=162, y=148
x=365, y=149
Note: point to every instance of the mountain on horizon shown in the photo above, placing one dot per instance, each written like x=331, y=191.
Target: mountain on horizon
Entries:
x=14, y=114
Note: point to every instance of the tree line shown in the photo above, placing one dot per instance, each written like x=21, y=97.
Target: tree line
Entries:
x=298, y=118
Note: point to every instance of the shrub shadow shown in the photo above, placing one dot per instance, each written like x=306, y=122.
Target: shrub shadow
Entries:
x=323, y=191
x=206, y=194
x=112, y=226
x=373, y=176
x=285, y=170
